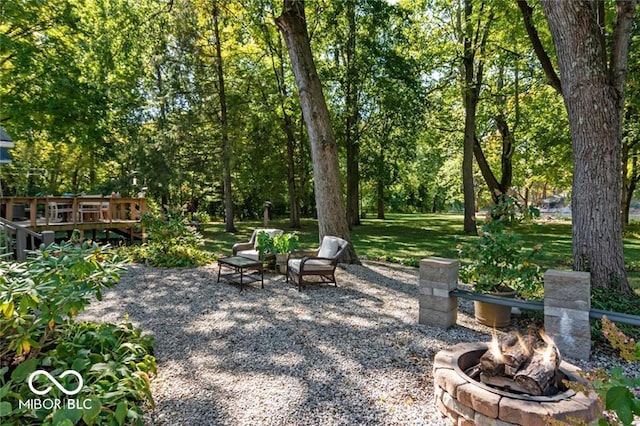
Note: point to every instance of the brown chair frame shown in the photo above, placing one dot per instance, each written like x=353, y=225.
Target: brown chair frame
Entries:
x=326, y=275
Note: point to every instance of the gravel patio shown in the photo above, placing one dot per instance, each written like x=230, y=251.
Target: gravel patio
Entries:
x=351, y=355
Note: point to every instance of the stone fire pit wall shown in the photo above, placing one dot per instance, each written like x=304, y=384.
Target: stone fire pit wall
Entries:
x=566, y=305
x=466, y=403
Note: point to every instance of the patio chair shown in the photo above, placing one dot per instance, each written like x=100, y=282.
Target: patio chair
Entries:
x=249, y=249
x=321, y=265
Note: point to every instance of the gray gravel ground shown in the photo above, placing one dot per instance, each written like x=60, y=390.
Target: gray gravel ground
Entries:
x=351, y=355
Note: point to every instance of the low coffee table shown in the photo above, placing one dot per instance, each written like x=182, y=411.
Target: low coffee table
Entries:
x=240, y=266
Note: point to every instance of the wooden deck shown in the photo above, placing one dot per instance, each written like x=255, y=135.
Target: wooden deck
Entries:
x=94, y=213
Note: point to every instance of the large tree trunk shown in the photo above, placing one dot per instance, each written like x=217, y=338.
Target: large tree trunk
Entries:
x=351, y=125
x=226, y=148
x=332, y=219
x=594, y=96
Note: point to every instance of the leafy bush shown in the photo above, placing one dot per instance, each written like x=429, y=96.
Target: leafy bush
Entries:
x=499, y=261
x=115, y=363
x=172, y=242
x=38, y=301
x=201, y=217
x=614, y=387
x=611, y=300
x=50, y=288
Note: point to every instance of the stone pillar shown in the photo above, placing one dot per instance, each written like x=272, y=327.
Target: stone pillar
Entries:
x=438, y=276
x=567, y=301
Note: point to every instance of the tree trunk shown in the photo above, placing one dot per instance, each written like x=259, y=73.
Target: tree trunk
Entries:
x=332, y=218
x=287, y=125
x=380, y=197
x=226, y=148
x=470, y=106
x=351, y=133
x=594, y=96
x=629, y=183
x=294, y=203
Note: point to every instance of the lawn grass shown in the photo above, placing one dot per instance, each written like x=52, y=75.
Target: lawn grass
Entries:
x=407, y=238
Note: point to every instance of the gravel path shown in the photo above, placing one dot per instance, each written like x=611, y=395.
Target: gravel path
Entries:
x=350, y=355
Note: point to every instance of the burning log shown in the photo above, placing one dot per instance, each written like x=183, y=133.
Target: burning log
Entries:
x=523, y=364
x=507, y=355
x=539, y=376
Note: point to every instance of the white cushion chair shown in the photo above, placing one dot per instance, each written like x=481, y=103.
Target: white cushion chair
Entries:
x=321, y=265
x=249, y=250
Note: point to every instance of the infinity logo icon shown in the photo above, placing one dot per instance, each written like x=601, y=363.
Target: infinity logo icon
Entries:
x=56, y=383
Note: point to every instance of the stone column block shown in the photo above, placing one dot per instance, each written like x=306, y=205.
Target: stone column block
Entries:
x=438, y=276
x=567, y=301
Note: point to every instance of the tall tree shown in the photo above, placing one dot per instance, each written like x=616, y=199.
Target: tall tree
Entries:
x=224, y=125
x=593, y=82
x=475, y=32
x=326, y=173
x=351, y=138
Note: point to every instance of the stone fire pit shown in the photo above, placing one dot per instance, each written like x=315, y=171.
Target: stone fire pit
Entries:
x=466, y=401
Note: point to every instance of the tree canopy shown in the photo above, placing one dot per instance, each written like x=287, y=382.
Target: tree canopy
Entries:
x=196, y=101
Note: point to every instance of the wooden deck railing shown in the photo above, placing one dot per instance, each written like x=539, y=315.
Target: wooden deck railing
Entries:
x=17, y=240
x=51, y=210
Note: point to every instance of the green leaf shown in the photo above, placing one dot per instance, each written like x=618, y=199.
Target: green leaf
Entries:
x=66, y=416
x=23, y=370
x=89, y=415
x=121, y=412
x=620, y=400
x=5, y=408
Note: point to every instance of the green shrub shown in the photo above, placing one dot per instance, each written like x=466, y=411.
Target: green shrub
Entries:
x=611, y=300
x=201, y=217
x=38, y=302
x=51, y=287
x=115, y=363
x=614, y=387
x=497, y=259
x=172, y=242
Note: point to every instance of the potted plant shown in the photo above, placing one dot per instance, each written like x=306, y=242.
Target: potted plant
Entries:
x=264, y=245
x=499, y=265
x=282, y=245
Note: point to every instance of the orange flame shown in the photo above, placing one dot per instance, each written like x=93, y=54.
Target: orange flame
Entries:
x=549, y=352
x=494, y=347
x=526, y=349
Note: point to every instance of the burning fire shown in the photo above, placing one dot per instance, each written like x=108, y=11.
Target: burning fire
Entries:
x=526, y=364
x=549, y=352
x=494, y=347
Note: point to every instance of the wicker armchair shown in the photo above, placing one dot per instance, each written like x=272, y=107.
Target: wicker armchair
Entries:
x=249, y=249
x=321, y=265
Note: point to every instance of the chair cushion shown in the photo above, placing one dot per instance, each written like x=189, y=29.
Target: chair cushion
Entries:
x=251, y=254
x=312, y=265
x=329, y=247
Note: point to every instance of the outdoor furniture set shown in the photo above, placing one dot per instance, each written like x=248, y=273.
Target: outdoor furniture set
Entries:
x=320, y=264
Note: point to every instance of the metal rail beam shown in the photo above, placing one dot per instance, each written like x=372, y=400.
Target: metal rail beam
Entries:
x=616, y=317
